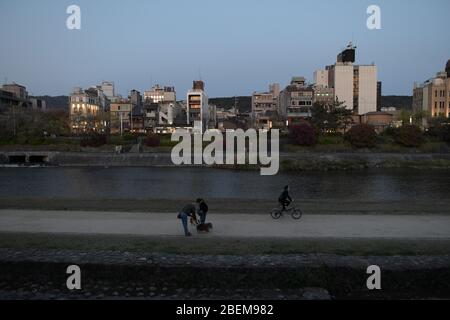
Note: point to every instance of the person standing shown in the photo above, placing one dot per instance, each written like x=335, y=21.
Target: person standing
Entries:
x=202, y=210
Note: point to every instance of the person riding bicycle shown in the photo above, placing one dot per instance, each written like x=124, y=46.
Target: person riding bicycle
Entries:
x=285, y=199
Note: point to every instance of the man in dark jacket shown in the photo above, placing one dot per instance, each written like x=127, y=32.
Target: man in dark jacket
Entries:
x=187, y=211
x=285, y=198
x=202, y=210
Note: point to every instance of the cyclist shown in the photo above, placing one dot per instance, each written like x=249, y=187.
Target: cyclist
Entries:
x=285, y=199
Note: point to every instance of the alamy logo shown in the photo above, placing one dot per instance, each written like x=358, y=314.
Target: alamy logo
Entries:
x=374, y=20
x=74, y=280
x=73, y=22
x=237, y=151
x=374, y=281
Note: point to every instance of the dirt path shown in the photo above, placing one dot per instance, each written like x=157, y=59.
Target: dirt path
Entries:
x=238, y=225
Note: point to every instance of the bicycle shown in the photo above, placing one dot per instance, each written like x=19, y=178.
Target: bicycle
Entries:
x=279, y=212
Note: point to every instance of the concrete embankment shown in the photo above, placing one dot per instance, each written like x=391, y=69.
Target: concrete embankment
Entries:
x=288, y=161
x=168, y=276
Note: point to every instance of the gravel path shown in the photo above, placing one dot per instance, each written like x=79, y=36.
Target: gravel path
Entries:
x=238, y=225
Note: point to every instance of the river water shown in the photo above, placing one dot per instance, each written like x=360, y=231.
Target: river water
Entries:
x=181, y=183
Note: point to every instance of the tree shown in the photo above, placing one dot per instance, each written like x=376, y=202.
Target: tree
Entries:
x=331, y=118
x=361, y=136
x=439, y=128
x=303, y=134
x=409, y=136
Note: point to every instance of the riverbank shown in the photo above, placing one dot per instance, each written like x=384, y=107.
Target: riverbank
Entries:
x=232, y=206
x=37, y=273
x=294, y=161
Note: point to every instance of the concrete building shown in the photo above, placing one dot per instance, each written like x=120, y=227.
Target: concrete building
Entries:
x=266, y=102
x=323, y=95
x=120, y=117
x=161, y=107
x=87, y=111
x=135, y=98
x=354, y=85
x=433, y=96
x=197, y=109
x=14, y=95
x=38, y=104
x=379, y=94
x=296, y=101
x=17, y=90
x=159, y=94
x=380, y=120
x=321, y=78
x=108, y=89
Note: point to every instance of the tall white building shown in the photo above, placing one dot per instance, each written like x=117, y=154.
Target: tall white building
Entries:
x=197, y=108
x=108, y=89
x=354, y=85
x=321, y=78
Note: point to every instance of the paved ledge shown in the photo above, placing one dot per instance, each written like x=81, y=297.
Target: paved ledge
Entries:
x=41, y=274
x=221, y=261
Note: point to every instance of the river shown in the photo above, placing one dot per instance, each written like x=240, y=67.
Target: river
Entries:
x=179, y=183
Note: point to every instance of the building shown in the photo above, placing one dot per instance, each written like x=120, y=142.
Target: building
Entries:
x=14, y=95
x=379, y=94
x=323, y=95
x=159, y=94
x=87, y=111
x=120, y=117
x=321, y=78
x=161, y=107
x=38, y=104
x=197, y=109
x=354, y=85
x=380, y=120
x=135, y=98
x=17, y=90
x=432, y=98
x=266, y=102
x=296, y=101
x=108, y=89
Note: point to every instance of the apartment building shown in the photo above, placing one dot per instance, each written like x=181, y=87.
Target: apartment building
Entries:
x=87, y=110
x=354, y=85
x=121, y=117
x=266, y=102
x=296, y=101
x=433, y=96
x=197, y=109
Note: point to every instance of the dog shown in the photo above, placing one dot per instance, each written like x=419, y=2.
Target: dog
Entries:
x=206, y=227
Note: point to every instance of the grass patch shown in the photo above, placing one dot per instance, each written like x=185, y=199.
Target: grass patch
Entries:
x=224, y=246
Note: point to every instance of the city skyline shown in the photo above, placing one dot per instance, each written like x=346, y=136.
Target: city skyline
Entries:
x=146, y=48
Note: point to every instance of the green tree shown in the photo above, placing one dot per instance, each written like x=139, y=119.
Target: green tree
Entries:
x=331, y=118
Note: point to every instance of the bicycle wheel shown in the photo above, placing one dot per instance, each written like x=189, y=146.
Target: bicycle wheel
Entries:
x=276, y=214
x=297, y=214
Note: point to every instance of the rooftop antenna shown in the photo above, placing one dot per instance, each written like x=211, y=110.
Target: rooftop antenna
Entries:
x=199, y=74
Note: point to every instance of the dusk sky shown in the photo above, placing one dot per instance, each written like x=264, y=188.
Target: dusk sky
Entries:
x=236, y=46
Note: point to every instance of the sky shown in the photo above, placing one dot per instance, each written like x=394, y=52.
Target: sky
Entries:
x=235, y=46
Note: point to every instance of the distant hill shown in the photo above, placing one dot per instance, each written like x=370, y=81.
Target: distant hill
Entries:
x=399, y=102
x=56, y=103
x=244, y=103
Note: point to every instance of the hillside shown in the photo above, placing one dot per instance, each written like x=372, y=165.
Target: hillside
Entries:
x=399, y=102
x=56, y=103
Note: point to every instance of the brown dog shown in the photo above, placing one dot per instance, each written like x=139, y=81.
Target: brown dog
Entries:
x=204, y=227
